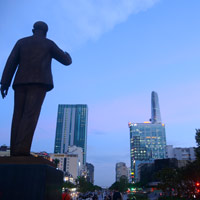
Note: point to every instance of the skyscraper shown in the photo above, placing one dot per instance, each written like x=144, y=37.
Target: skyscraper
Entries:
x=147, y=140
x=121, y=170
x=71, y=128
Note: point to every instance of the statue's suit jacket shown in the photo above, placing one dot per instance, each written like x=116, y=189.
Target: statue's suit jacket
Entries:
x=32, y=57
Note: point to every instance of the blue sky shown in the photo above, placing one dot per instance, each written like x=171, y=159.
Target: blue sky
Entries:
x=122, y=50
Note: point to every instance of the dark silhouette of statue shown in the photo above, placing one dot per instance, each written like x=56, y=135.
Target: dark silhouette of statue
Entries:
x=31, y=59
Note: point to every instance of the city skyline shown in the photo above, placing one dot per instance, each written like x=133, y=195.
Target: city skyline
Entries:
x=121, y=52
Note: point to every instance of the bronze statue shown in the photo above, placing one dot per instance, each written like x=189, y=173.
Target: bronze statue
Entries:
x=31, y=59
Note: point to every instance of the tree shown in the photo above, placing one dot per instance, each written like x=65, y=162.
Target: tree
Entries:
x=121, y=185
x=170, y=181
x=114, y=186
x=85, y=186
x=183, y=181
x=197, y=149
x=98, y=188
x=56, y=161
x=68, y=184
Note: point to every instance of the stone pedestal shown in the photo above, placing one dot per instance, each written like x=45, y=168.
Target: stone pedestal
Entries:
x=29, y=178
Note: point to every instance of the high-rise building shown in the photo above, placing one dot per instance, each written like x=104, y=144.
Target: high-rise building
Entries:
x=180, y=153
x=90, y=172
x=71, y=129
x=121, y=170
x=78, y=151
x=68, y=163
x=147, y=140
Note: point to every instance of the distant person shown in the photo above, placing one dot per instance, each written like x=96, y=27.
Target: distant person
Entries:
x=125, y=196
x=100, y=197
x=66, y=195
x=95, y=197
x=31, y=60
x=117, y=195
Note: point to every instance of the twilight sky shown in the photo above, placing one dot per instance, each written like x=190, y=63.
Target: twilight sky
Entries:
x=122, y=50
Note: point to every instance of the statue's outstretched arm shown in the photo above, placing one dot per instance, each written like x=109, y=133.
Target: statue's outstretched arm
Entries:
x=60, y=56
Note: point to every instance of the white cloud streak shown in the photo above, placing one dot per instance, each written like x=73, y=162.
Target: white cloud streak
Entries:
x=72, y=22
x=92, y=19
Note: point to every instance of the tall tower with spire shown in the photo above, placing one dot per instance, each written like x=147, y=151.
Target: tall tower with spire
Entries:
x=147, y=140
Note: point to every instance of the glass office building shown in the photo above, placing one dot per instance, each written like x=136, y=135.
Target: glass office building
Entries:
x=71, y=128
x=147, y=140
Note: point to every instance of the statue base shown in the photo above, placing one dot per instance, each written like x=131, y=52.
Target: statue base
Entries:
x=29, y=178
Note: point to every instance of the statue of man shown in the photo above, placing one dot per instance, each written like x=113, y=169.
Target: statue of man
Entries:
x=31, y=59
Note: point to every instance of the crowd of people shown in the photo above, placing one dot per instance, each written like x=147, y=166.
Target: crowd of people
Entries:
x=99, y=195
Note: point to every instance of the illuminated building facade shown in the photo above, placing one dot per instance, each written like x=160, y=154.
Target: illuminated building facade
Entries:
x=147, y=140
x=71, y=129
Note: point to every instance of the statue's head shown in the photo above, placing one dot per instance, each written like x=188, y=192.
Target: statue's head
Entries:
x=40, y=27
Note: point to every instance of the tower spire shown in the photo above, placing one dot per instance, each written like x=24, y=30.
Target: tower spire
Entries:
x=155, y=109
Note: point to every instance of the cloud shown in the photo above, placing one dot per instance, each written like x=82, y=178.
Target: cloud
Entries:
x=93, y=18
x=73, y=22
